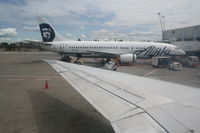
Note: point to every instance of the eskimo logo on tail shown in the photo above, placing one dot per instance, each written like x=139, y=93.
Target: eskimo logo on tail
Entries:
x=47, y=32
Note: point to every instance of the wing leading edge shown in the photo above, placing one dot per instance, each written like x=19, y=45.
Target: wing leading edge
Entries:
x=132, y=103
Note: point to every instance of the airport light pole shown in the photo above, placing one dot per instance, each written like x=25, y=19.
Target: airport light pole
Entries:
x=161, y=24
x=163, y=20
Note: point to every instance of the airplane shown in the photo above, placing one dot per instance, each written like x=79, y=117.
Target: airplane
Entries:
x=134, y=104
x=126, y=52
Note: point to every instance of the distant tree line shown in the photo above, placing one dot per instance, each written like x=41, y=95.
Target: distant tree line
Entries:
x=18, y=46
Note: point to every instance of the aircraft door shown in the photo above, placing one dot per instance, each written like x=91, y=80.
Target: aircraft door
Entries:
x=62, y=48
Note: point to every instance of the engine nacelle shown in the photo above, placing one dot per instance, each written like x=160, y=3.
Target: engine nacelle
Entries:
x=128, y=58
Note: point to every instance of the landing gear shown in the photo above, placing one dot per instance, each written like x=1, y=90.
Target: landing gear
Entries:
x=65, y=58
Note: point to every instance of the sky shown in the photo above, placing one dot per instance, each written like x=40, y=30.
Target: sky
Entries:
x=134, y=20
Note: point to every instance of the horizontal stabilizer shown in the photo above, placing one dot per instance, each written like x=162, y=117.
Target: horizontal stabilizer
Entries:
x=38, y=42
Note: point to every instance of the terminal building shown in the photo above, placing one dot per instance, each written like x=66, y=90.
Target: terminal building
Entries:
x=187, y=39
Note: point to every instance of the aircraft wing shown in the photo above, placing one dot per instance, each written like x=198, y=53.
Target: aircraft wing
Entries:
x=135, y=104
x=107, y=53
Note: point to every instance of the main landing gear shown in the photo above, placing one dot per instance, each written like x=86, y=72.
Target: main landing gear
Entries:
x=77, y=60
x=66, y=58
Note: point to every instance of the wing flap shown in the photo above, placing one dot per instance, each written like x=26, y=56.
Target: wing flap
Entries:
x=108, y=53
x=141, y=123
x=177, y=117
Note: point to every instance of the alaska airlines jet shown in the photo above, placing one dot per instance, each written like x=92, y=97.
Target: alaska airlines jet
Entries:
x=126, y=52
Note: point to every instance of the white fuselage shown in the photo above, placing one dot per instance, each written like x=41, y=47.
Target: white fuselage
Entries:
x=100, y=48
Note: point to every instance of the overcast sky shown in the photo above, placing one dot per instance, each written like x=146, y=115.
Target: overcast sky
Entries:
x=96, y=19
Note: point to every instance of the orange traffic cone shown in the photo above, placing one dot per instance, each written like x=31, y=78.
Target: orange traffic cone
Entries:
x=46, y=85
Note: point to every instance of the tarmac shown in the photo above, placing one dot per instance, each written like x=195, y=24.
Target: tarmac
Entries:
x=187, y=76
x=26, y=107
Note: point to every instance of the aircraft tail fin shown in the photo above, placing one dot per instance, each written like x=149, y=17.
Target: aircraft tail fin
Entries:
x=47, y=32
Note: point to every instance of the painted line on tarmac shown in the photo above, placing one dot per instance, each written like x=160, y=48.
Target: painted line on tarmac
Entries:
x=31, y=76
x=151, y=72
x=15, y=79
x=42, y=79
x=26, y=79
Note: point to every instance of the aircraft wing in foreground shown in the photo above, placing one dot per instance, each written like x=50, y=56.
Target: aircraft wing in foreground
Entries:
x=135, y=104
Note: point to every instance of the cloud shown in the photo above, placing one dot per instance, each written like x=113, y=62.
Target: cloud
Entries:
x=83, y=36
x=121, y=13
x=82, y=27
x=68, y=34
x=8, y=32
x=127, y=16
x=4, y=39
x=103, y=30
x=28, y=28
x=135, y=35
x=144, y=12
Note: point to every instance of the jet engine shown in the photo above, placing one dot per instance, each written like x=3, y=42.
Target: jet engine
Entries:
x=128, y=58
